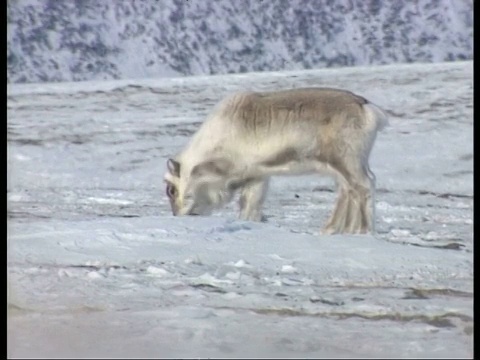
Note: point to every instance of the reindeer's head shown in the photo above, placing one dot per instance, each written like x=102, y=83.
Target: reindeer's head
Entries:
x=173, y=184
x=199, y=191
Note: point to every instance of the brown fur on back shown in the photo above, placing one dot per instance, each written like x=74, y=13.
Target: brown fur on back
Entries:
x=259, y=111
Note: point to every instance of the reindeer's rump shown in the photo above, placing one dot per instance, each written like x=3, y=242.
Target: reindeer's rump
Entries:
x=284, y=110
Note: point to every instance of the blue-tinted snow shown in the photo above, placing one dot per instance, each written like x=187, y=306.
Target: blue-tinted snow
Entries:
x=97, y=266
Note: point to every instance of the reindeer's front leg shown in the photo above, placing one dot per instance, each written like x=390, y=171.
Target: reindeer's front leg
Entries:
x=251, y=199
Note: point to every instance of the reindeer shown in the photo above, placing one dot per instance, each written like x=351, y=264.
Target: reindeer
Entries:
x=251, y=136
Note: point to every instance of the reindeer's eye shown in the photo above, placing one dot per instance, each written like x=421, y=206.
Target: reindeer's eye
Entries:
x=171, y=191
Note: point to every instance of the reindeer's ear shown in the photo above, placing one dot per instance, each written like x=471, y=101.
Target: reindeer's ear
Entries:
x=174, y=167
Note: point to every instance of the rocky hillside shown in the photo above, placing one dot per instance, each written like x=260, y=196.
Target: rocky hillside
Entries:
x=51, y=40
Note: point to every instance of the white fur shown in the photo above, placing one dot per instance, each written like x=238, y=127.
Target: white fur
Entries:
x=250, y=137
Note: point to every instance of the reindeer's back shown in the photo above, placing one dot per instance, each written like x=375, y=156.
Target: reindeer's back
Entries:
x=287, y=110
x=327, y=99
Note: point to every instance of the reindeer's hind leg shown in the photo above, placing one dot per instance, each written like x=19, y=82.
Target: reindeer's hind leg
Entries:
x=353, y=211
x=370, y=205
x=337, y=219
x=361, y=219
x=342, y=214
x=252, y=197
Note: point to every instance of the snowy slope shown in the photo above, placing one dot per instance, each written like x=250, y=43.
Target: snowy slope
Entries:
x=97, y=266
x=50, y=40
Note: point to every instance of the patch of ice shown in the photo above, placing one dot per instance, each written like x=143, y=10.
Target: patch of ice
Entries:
x=382, y=205
x=233, y=275
x=231, y=295
x=64, y=273
x=462, y=206
x=208, y=279
x=240, y=263
x=157, y=271
x=274, y=282
x=94, y=275
x=21, y=157
x=292, y=282
x=109, y=201
x=288, y=269
x=400, y=232
x=432, y=235
x=35, y=270
x=16, y=197
x=275, y=257
x=450, y=219
x=93, y=263
x=193, y=260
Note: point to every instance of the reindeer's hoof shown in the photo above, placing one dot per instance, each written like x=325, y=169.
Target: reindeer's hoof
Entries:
x=257, y=217
x=328, y=231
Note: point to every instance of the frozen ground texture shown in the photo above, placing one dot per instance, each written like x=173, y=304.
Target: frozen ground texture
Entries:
x=97, y=266
x=51, y=40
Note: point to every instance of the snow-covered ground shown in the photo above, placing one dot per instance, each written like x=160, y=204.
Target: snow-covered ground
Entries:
x=97, y=266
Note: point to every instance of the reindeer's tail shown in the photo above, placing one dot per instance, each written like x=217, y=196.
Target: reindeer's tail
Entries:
x=375, y=116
